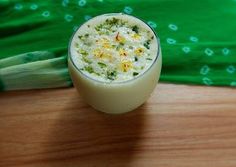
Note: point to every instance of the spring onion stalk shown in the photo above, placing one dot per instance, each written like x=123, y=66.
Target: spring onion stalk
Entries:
x=26, y=58
x=48, y=73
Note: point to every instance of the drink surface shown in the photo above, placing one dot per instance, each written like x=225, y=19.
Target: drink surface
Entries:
x=114, y=48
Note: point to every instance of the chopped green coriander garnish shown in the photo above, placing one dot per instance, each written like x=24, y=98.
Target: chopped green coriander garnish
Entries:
x=86, y=60
x=102, y=65
x=121, y=43
x=135, y=29
x=118, y=46
x=83, y=52
x=147, y=44
x=83, y=37
x=108, y=24
x=97, y=74
x=99, y=27
x=89, y=69
x=148, y=59
x=112, y=21
x=135, y=73
x=135, y=58
x=76, y=45
x=111, y=75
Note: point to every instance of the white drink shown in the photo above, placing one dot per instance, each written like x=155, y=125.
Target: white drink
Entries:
x=115, y=62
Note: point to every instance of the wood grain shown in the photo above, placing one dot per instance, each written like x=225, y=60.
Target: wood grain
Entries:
x=179, y=126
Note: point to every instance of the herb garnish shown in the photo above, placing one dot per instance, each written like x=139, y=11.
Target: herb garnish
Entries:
x=112, y=21
x=135, y=29
x=135, y=73
x=83, y=37
x=86, y=60
x=99, y=27
x=107, y=25
x=89, y=69
x=147, y=44
x=102, y=65
x=111, y=74
x=83, y=52
x=118, y=46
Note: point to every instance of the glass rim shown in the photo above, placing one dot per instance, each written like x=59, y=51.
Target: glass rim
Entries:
x=121, y=82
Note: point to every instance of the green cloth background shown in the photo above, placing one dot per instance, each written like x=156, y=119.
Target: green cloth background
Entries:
x=198, y=39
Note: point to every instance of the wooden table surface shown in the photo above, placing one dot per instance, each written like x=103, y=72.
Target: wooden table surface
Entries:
x=179, y=126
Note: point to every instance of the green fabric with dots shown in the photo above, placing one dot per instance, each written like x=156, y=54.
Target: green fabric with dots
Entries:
x=197, y=39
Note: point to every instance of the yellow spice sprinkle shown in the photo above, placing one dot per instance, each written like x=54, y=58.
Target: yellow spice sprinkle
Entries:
x=126, y=65
x=122, y=52
x=106, y=45
x=139, y=51
x=98, y=53
x=135, y=36
x=108, y=56
x=104, y=42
